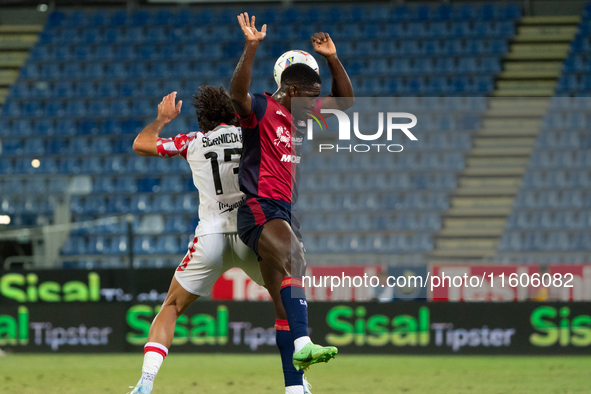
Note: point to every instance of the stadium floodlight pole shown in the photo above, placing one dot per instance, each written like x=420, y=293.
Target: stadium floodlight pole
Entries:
x=130, y=256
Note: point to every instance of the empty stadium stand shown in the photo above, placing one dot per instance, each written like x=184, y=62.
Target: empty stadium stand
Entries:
x=502, y=147
x=550, y=219
x=93, y=78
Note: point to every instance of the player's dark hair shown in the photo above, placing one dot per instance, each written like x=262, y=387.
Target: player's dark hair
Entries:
x=213, y=107
x=300, y=74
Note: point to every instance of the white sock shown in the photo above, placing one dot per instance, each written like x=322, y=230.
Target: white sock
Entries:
x=294, y=390
x=300, y=343
x=154, y=354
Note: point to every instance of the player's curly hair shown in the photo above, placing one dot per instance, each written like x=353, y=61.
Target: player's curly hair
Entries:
x=300, y=74
x=213, y=107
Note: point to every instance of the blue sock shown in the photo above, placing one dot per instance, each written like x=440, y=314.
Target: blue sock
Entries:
x=293, y=298
x=284, y=340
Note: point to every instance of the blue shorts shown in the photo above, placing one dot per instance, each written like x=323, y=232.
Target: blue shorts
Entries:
x=255, y=212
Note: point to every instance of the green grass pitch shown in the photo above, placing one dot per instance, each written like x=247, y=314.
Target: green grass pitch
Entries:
x=261, y=374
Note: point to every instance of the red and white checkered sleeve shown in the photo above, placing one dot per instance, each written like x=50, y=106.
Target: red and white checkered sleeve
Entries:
x=171, y=147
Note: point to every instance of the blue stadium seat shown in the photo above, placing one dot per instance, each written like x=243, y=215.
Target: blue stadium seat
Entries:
x=33, y=147
x=144, y=245
x=69, y=165
x=164, y=203
x=32, y=108
x=88, y=126
x=116, y=70
x=141, y=203
x=57, y=185
x=149, y=51
x=41, y=52
x=68, y=70
x=22, y=128
x=76, y=108
x=118, y=204
x=162, y=17
x=114, y=164
x=95, y=204
x=118, y=18
x=464, y=11
x=122, y=145
x=104, y=52
x=141, y=107
x=98, y=107
x=6, y=165
x=41, y=90
x=101, y=145
x=186, y=203
x=168, y=244
x=63, y=89
x=118, y=245
x=126, y=184
x=74, y=246
x=141, y=18
x=79, y=145
x=148, y=185
x=19, y=90
x=55, y=108
x=92, y=165
x=118, y=107
x=29, y=71
x=124, y=52
x=131, y=126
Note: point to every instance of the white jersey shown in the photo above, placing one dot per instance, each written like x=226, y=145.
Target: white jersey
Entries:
x=214, y=158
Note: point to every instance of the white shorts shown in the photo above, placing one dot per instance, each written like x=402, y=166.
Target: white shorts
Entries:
x=211, y=255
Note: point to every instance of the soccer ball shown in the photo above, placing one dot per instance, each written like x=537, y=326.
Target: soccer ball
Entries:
x=292, y=57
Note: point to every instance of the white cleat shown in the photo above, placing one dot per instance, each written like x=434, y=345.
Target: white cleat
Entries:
x=141, y=388
x=307, y=386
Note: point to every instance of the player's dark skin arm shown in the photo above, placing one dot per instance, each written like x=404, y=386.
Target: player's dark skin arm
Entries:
x=145, y=144
x=341, y=84
x=240, y=84
x=278, y=245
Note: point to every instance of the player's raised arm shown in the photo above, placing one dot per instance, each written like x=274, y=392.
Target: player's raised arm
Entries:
x=341, y=84
x=240, y=84
x=146, y=142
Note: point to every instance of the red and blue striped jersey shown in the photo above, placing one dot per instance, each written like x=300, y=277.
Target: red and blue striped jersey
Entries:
x=270, y=153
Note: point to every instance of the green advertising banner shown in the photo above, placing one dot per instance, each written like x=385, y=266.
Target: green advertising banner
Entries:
x=247, y=327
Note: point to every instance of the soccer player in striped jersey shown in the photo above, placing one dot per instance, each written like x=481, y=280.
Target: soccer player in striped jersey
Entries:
x=269, y=174
x=213, y=156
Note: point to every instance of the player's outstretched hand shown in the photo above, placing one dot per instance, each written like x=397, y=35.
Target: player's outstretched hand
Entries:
x=250, y=32
x=167, y=110
x=323, y=44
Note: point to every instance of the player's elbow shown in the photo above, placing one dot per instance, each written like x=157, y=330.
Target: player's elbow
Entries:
x=240, y=104
x=140, y=149
x=348, y=102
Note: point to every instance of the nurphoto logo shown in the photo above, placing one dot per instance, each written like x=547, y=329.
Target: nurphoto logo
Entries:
x=391, y=119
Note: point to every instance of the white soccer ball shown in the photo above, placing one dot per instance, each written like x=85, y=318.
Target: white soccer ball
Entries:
x=292, y=57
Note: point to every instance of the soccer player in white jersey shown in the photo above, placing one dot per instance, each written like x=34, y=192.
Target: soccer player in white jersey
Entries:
x=214, y=157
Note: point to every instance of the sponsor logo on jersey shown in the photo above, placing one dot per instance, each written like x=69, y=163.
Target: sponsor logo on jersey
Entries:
x=230, y=207
x=291, y=159
x=279, y=112
x=226, y=138
x=283, y=136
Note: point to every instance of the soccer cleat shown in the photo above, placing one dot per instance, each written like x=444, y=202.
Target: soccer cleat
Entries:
x=312, y=354
x=141, y=388
x=307, y=386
